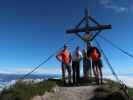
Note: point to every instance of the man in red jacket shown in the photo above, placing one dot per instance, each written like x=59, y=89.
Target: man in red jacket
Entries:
x=65, y=58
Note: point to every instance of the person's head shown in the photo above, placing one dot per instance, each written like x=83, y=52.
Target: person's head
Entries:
x=89, y=45
x=84, y=51
x=65, y=46
x=77, y=48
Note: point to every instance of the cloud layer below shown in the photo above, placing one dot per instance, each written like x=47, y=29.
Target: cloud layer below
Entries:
x=24, y=70
x=127, y=79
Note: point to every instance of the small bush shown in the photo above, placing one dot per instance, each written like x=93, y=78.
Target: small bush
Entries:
x=25, y=91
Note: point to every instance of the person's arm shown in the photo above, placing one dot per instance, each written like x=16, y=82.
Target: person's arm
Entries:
x=58, y=57
x=70, y=55
x=80, y=55
x=87, y=57
x=84, y=54
x=98, y=52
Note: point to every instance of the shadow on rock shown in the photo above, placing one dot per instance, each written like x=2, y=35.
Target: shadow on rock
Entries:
x=102, y=94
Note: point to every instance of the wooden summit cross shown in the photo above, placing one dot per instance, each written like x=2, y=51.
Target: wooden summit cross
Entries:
x=88, y=29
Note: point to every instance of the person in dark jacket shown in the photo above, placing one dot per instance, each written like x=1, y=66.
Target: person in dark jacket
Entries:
x=87, y=69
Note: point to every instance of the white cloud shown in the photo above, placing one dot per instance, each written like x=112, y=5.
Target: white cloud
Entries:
x=44, y=70
x=128, y=80
x=118, y=9
x=24, y=70
x=110, y=4
x=126, y=76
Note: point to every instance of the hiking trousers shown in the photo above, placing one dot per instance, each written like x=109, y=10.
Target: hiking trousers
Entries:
x=76, y=71
x=87, y=70
x=66, y=67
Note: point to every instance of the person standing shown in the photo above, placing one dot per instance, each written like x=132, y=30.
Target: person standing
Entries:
x=96, y=64
x=87, y=68
x=65, y=58
x=76, y=58
x=86, y=65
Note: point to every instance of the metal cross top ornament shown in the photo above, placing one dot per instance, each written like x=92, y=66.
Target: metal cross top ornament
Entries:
x=90, y=29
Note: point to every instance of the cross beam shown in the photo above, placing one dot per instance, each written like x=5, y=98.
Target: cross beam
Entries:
x=88, y=29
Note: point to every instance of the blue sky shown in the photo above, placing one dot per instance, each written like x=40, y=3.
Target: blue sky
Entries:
x=31, y=30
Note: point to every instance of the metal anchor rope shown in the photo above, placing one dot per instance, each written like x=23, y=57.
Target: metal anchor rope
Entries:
x=122, y=85
x=115, y=46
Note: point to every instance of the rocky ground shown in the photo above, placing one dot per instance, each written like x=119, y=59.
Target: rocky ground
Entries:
x=55, y=89
x=91, y=92
x=68, y=93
